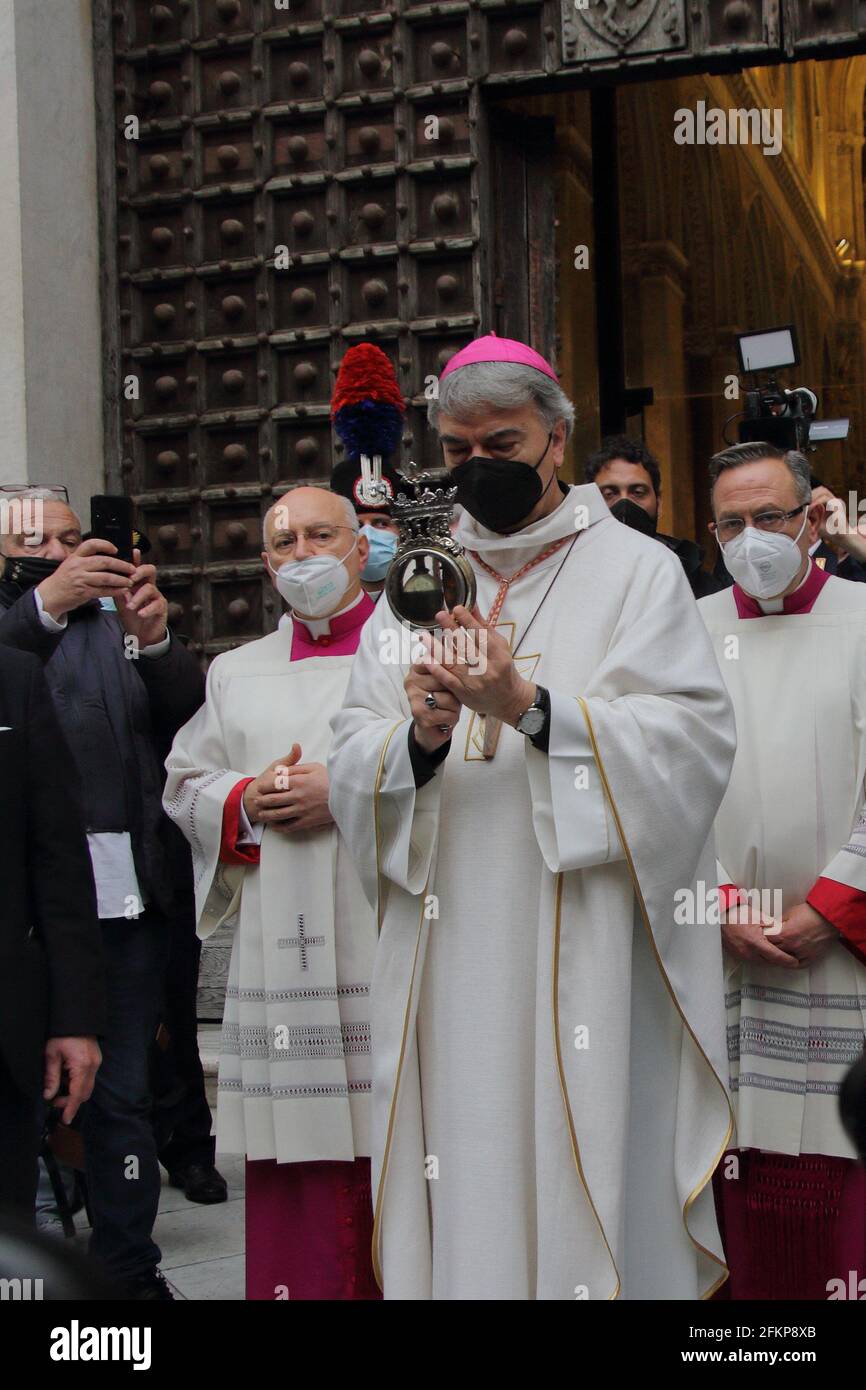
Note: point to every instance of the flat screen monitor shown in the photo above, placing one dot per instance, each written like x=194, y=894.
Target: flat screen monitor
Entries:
x=769, y=349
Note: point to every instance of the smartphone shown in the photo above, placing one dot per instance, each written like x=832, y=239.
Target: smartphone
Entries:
x=111, y=520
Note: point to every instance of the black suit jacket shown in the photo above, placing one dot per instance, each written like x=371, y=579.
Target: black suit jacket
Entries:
x=115, y=715
x=847, y=568
x=51, y=968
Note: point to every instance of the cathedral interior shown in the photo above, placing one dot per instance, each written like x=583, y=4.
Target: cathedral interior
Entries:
x=715, y=241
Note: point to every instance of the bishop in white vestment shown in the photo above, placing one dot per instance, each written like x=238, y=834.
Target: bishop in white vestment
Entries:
x=248, y=787
x=791, y=843
x=548, y=1047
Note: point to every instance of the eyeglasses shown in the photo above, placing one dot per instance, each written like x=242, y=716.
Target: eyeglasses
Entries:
x=319, y=537
x=35, y=490
x=771, y=520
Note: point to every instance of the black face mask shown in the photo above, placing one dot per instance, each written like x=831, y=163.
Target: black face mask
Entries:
x=28, y=570
x=499, y=493
x=630, y=514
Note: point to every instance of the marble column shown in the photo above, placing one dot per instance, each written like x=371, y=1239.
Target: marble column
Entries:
x=656, y=277
x=50, y=328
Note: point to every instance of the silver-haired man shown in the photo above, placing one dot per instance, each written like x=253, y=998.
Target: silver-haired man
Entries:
x=547, y=1045
x=122, y=684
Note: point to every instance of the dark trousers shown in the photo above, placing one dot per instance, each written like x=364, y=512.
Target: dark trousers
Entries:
x=20, y=1133
x=183, y=1116
x=121, y=1165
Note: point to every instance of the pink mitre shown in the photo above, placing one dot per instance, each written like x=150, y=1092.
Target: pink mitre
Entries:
x=493, y=349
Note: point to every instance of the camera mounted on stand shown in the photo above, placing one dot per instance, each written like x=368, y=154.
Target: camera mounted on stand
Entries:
x=773, y=413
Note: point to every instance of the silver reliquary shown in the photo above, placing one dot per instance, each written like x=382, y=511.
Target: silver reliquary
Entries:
x=429, y=571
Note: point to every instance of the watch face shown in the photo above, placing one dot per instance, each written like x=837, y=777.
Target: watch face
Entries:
x=532, y=721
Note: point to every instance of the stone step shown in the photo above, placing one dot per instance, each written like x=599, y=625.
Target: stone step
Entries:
x=209, y=1047
x=208, y=1050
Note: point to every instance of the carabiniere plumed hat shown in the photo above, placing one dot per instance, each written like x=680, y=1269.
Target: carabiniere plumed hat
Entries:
x=367, y=410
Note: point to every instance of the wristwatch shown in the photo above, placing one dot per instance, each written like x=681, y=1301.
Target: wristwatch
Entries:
x=533, y=720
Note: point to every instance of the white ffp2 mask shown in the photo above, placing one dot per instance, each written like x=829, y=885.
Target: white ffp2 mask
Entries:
x=313, y=586
x=763, y=563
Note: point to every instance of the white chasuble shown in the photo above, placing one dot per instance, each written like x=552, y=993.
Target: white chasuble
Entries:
x=548, y=1047
x=792, y=814
x=294, y=1072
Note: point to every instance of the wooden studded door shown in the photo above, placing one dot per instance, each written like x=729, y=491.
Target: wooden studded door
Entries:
x=292, y=181
x=283, y=178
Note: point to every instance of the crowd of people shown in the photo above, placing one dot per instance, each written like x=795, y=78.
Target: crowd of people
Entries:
x=548, y=967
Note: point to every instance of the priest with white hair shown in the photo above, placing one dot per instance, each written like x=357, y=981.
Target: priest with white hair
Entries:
x=248, y=787
x=549, y=1096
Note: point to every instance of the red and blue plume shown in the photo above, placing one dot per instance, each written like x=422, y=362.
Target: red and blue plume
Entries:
x=367, y=406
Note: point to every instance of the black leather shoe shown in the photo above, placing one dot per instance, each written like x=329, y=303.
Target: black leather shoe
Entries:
x=149, y=1288
x=200, y=1182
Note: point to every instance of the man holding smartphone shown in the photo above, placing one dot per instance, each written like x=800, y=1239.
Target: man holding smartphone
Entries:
x=121, y=685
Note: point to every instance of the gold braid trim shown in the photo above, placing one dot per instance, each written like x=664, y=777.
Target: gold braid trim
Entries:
x=376, y=785
x=392, y=1105
x=696, y=1191
x=575, y=1147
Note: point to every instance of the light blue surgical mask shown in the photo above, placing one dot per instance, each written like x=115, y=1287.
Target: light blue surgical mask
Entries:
x=383, y=548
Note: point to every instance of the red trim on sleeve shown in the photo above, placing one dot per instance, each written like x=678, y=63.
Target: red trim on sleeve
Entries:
x=230, y=851
x=845, y=908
